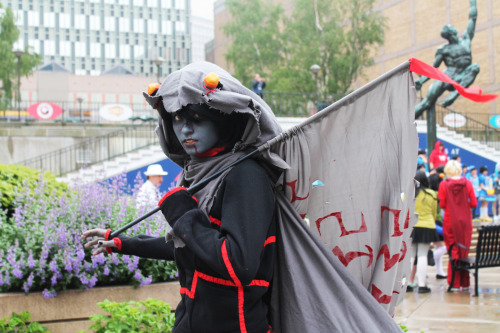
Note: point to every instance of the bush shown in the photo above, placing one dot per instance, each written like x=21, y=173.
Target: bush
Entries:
x=41, y=249
x=15, y=179
x=20, y=323
x=149, y=316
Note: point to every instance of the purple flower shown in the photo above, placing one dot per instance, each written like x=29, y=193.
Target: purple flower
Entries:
x=53, y=280
x=17, y=273
x=106, y=270
x=31, y=262
x=138, y=276
x=147, y=281
x=48, y=294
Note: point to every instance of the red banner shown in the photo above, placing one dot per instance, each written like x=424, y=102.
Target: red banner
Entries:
x=474, y=93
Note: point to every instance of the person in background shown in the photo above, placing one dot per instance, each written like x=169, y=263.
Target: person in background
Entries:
x=456, y=196
x=465, y=170
x=422, y=159
x=424, y=231
x=457, y=158
x=258, y=85
x=149, y=193
x=496, y=185
x=484, y=197
x=438, y=156
x=473, y=177
x=439, y=246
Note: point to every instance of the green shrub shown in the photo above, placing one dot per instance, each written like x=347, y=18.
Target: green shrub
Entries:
x=15, y=179
x=18, y=323
x=149, y=316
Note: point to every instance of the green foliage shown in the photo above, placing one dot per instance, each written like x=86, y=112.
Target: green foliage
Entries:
x=9, y=34
x=18, y=323
x=256, y=38
x=149, y=316
x=16, y=179
x=336, y=35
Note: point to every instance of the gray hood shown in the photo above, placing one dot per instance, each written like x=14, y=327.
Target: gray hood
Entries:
x=186, y=86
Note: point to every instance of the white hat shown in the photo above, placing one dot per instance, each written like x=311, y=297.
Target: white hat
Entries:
x=155, y=170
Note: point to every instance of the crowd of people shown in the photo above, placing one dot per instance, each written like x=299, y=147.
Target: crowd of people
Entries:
x=446, y=195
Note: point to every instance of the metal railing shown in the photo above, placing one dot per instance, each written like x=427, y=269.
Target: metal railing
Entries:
x=94, y=150
x=468, y=125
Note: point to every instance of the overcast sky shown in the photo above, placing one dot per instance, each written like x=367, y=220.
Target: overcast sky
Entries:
x=203, y=8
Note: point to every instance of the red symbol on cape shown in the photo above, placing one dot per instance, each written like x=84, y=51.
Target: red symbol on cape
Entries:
x=349, y=256
x=390, y=261
x=44, y=110
x=292, y=185
x=344, y=231
x=396, y=212
x=377, y=294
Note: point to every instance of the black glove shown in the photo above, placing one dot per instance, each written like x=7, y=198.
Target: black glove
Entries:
x=176, y=203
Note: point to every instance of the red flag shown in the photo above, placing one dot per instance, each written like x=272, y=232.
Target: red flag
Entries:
x=474, y=93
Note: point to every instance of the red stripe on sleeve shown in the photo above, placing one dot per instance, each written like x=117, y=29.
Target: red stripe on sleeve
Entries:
x=241, y=295
x=169, y=193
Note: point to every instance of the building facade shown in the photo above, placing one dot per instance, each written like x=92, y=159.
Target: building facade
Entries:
x=90, y=37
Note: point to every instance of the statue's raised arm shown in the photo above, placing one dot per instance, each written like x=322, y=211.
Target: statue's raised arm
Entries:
x=471, y=26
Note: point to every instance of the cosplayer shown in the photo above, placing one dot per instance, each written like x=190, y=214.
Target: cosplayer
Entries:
x=456, y=197
x=223, y=237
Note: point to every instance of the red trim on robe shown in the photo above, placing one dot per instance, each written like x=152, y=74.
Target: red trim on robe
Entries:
x=241, y=294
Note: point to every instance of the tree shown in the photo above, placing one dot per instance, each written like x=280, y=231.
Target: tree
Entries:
x=9, y=34
x=336, y=35
x=256, y=37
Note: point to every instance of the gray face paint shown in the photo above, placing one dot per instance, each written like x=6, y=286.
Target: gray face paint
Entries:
x=196, y=133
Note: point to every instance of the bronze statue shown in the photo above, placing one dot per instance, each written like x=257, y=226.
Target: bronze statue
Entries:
x=458, y=59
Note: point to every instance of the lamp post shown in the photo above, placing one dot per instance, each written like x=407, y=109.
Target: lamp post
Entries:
x=315, y=69
x=158, y=61
x=18, y=54
x=80, y=100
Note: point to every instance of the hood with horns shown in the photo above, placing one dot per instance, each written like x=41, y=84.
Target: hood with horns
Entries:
x=187, y=86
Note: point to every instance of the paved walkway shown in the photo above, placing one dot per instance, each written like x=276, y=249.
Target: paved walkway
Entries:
x=440, y=311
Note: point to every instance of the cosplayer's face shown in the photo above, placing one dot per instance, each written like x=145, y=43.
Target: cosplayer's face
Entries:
x=196, y=133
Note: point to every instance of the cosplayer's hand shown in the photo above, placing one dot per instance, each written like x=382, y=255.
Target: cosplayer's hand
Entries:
x=100, y=239
x=175, y=203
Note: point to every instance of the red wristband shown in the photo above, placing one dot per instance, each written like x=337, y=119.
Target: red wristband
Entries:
x=118, y=243
x=106, y=235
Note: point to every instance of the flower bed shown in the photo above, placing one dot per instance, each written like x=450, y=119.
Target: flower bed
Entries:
x=41, y=249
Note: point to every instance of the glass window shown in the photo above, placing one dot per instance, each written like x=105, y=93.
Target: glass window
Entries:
x=79, y=21
x=94, y=22
x=180, y=4
x=124, y=24
x=139, y=25
x=50, y=47
x=80, y=49
x=95, y=50
x=65, y=48
x=153, y=27
x=110, y=51
x=180, y=26
x=34, y=18
x=109, y=24
x=124, y=52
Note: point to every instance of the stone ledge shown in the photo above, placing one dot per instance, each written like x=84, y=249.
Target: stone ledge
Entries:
x=69, y=310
